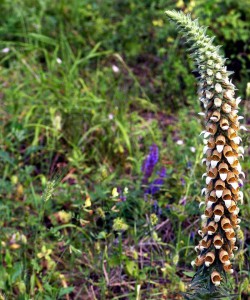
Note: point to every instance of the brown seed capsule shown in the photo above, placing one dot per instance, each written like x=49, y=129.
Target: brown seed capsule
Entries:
x=223, y=171
x=199, y=260
x=231, y=133
x=219, y=187
x=232, y=180
x=209, y=259
x=211, y=199
x=224, y=257
x=211, y=128
x=234, y=146
x=211, y=143
x=229, y=154
x=215, y=158
x=211, y=174
x=208, y=212
x=233, y=116
x=204, y=244
x=218, y=212
x=215, y=116
x=212, y=227
x=224, y=124
x=216, y=278
x=220, y=142
x=228, y=268
x=218, y=241
x=232, y=208
x=226, y=224
x=227, y=197
x=235, y=126
x=230, y=235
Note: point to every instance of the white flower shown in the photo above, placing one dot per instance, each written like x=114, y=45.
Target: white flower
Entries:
x=115, y=69
x=180, y=142
x=192, y=149
x=111, y=116
x=218, y=88
x=5, y=50
x=58, y=60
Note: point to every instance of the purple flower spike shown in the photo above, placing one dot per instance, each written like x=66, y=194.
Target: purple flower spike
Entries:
x=150, y=162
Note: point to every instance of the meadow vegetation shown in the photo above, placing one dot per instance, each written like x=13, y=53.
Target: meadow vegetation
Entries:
x=100, y=149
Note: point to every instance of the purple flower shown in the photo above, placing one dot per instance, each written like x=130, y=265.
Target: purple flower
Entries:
x=150, y=162
x=183, y=201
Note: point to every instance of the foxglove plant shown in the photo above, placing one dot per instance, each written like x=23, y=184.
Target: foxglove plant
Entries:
x=222, y=151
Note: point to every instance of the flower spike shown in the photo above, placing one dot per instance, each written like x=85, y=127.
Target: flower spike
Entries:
x=222, y=151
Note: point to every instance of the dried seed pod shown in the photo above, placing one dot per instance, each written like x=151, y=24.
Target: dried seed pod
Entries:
x=199, y=260
x=229, y=154
x=215, y=116
x=218, y=241
x=212, y=228
x=220, y=143
x=232, y=208
x=223, y=171
x=219, y=187
x=233, y=116
x=215, y=158
x=209, y=259
x=226, y=224
x=227, y=197
x=211, y=199
x=224, y=257
x=231, y=133
x=211, y=128
x=228, y=268
x=204, y=243
x=232, y=180
x=224, y=124
x=211, y=143
x=218, y=212
x=211, y=174
x=208, y=212
x=216, y=278
x=231, y=235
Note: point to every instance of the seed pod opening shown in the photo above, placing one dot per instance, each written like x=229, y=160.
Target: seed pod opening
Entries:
x=226, y=224
x=211, y=143
x=231, y=133
x=209, y=259
x=211, y=128
x=229, y=154
x=228, y=268
x=232, y=180
x=219, y=187
x=224, y=257
x=218, y=241
x=211, y=199
x=224, y=124
x=216, y=278
x=218, y=212
x=230, y=235
x=204, y=244
x=215, y=158
x=215, y=116
x=212, y=228
x=232, y=208
x=227, y=197
x=223, y=171
x=220, y=142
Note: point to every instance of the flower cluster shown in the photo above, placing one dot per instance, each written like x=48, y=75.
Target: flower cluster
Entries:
x=148, y=168
x=222, y=151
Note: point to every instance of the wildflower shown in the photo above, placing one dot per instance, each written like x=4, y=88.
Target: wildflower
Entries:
x=119, y=225
x=114, y=192
x=111, y=116
x=5, y=50
x=179, y=142
x=115, y=69
x=153, y=219
x=150, y=162
x=222, y=151
x=58, y=60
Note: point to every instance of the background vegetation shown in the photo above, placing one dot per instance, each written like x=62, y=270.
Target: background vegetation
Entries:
x=91, y=91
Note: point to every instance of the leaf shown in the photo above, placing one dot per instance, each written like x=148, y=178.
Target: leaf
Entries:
x=189, y=273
